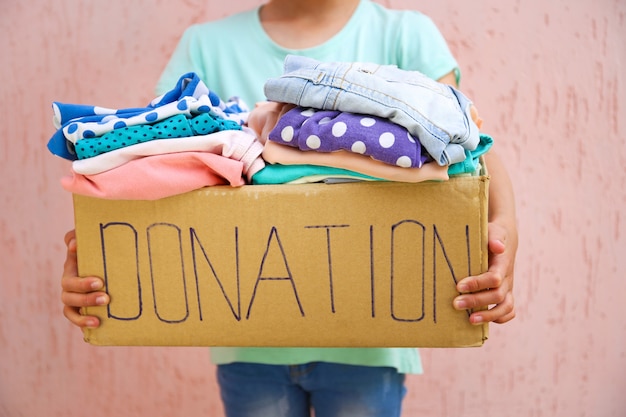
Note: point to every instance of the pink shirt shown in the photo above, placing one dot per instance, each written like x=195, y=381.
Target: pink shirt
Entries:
x=158, y=176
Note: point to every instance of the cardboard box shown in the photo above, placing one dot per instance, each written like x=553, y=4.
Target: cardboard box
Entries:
x=353, y=264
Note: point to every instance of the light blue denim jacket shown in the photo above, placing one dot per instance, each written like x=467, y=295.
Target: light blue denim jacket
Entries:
x=435, y=113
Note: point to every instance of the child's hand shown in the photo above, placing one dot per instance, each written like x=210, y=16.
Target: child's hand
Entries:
x=79, y=292
x=493, y=288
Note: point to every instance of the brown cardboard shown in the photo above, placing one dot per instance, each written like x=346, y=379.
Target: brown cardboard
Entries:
x=353, y=264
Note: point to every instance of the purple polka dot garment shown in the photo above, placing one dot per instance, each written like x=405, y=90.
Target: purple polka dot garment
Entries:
x=329, y=130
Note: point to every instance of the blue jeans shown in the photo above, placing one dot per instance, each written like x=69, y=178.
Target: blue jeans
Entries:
x=435, y=113
x=330, y=389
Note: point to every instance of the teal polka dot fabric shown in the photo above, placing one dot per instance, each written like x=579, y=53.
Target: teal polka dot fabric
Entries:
x=179, y=126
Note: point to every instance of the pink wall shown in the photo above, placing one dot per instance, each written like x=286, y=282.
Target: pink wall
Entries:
x=548, y=77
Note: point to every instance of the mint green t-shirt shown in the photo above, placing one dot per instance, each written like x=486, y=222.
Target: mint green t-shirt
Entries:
x=234, y=57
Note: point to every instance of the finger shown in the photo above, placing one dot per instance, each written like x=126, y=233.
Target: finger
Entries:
x=74, y=316
x=490, y=279
x=71, y=235
x=76, y=300
x=496, y=237
x=70, y=267
x=481, y=299
x=505, y=318
x=81, y=285
x=496, y=246
x=500, y=313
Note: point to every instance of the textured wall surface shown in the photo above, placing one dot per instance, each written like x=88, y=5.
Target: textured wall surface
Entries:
x=548, y=77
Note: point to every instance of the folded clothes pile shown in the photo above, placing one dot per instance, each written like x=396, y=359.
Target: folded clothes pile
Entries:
x=186, y=139
x=323, y=122
x=372, y=120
